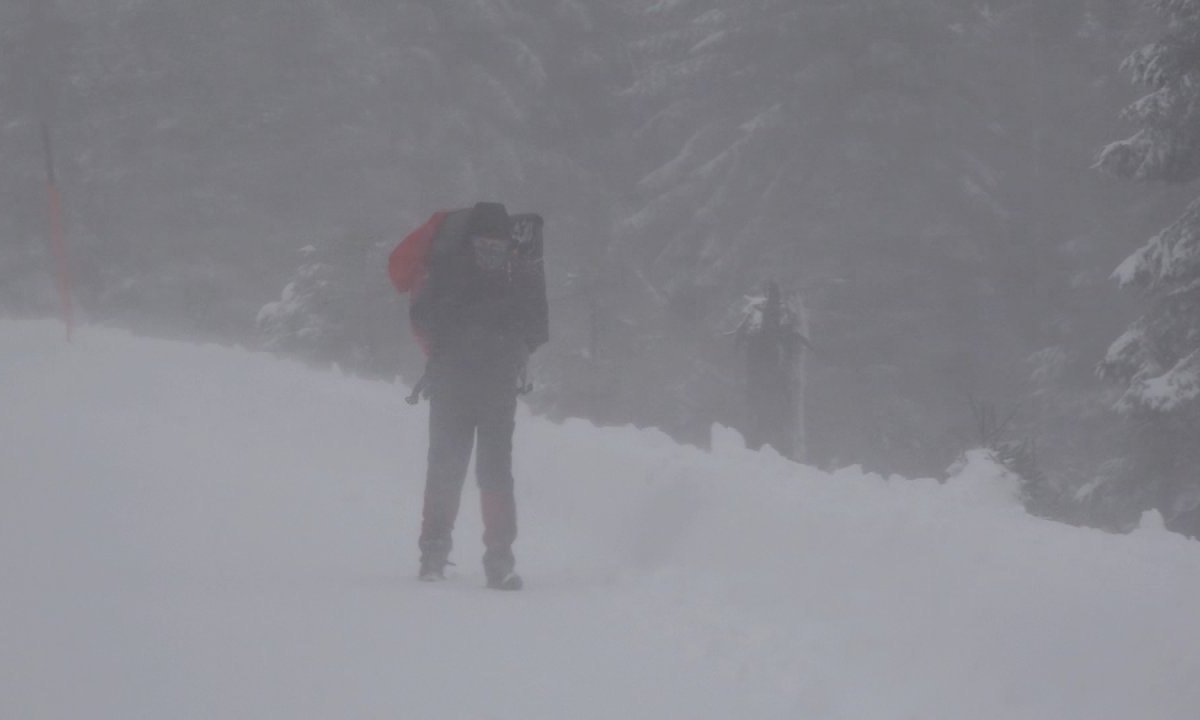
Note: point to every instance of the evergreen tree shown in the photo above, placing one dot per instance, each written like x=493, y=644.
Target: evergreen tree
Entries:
x=845, y=148
x=1157, y=360
x=902, y=165
x=337, y=309
x=223, y=135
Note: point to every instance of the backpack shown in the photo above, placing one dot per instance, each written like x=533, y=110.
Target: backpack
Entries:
x=458, y=274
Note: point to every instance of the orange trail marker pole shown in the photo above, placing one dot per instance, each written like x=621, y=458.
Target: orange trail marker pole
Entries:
x=58, y=243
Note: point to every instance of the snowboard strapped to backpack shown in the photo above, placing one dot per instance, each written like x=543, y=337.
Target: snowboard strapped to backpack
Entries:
x=475, y=265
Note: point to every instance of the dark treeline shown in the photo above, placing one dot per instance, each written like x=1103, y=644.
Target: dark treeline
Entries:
x=922, y=173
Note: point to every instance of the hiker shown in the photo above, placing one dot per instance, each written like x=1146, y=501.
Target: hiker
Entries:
x=770, y=334
x=478, y=307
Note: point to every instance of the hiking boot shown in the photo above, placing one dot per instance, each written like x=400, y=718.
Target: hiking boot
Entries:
x=508, y=581
x=432, y=571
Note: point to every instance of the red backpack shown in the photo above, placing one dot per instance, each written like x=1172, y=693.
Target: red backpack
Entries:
x=408, y=267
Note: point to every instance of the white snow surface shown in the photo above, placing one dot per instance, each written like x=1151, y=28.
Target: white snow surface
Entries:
x=192, y=531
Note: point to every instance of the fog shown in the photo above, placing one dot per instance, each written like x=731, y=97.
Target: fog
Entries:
x=920, y=176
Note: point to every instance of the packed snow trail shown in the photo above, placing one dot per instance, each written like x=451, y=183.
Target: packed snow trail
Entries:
x=199, y=532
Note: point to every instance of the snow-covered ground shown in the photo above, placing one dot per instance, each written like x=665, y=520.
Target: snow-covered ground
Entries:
x=198, y=532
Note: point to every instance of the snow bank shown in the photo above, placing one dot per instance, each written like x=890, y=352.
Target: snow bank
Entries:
x=195, y=531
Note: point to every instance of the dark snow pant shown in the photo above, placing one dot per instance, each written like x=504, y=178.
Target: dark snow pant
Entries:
x=462, y=416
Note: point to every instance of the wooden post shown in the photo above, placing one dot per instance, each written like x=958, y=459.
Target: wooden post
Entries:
x=800, y=382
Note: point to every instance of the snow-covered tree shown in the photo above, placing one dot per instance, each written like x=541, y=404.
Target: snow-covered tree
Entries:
x=1157, y=360
x=852, y=148
x=218, y=133
x=900, y=162
x=310, y=317
x=337, y=308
